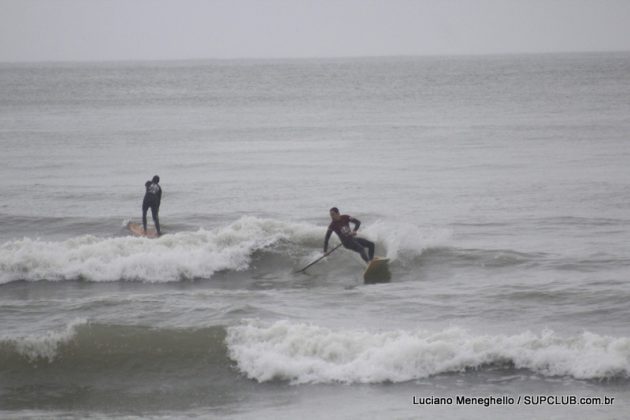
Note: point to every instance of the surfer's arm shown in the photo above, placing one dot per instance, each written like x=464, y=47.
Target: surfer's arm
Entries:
x=356, y=222
x=328, y=233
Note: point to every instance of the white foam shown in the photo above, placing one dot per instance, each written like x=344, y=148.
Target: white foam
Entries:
x=303, y=353
x=168, y=258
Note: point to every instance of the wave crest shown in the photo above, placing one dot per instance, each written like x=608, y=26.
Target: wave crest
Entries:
x=183, y=255
x=92, y=346
x=191, y=255
x=303, y=353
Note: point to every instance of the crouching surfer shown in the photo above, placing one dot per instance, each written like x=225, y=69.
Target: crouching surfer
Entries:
x=340, y=224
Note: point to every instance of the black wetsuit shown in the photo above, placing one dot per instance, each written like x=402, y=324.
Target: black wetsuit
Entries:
x=342, y=228
x=152, y=199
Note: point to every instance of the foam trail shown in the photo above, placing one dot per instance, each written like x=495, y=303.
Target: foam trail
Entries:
x=303, y=353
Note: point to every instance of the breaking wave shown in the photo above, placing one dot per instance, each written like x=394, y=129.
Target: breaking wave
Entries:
x=302, y=353
x=183, y=255
x=94, y=347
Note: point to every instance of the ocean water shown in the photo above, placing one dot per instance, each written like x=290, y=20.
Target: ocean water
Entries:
x=498, y=186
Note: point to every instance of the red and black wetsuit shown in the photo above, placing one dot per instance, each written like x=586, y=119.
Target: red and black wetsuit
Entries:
x=342, y=228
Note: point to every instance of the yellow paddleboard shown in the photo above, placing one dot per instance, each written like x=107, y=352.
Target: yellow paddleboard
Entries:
x=377, y=271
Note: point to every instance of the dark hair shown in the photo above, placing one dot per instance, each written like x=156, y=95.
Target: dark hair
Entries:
x=335, y=209
x=156, y=179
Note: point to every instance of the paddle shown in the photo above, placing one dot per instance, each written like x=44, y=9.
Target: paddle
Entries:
x=319, y=259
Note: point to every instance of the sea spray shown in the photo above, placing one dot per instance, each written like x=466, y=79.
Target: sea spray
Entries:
x=397, y=239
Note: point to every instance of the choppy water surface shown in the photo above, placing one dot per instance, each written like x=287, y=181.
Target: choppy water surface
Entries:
x=497, y=186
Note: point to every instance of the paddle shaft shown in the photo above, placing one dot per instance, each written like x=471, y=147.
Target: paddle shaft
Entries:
x=319, y=259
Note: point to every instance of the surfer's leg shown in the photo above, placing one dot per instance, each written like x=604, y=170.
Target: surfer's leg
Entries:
x=356, y=247
x=145, y=207
x=367, y=244
x=156, y=219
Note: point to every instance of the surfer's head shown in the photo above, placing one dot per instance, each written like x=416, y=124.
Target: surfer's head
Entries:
x=334, y=213
x=156, y=179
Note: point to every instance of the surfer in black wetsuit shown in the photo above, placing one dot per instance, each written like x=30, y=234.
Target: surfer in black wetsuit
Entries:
x=341, y=226
x=152, y=199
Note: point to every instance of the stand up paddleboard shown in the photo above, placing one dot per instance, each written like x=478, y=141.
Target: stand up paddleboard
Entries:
x=377, y=271
x=137, y=230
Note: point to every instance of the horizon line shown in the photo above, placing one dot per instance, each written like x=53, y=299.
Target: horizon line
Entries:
x=306, y=58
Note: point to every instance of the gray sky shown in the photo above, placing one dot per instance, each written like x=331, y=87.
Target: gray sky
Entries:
x=77, y=30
